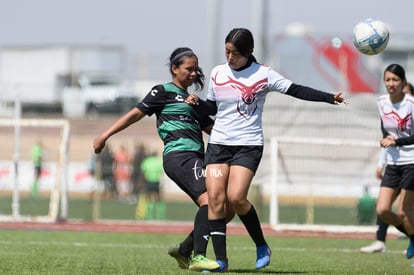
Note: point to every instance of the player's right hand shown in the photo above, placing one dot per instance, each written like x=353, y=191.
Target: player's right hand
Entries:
x=98, y=145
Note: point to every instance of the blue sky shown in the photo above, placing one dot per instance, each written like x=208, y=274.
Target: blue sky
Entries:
x=150, y=30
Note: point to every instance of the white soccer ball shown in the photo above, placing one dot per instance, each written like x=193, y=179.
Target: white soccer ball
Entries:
x=371, y=36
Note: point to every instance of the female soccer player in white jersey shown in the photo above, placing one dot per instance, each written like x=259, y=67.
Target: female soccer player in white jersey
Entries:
x=237, y=92
x=381, y=234
x=396, y=111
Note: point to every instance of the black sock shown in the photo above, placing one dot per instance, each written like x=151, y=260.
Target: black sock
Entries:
x=186, y=246
x=201, y=231
x=411, y=238
x=402, y=229
x=252, y=224
x=381, y=230
x=218, y=238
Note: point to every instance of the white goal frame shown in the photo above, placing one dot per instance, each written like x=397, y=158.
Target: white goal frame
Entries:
x=274, y=164
x=59, y=189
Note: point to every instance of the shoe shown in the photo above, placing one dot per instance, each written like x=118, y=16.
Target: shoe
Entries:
x=182, y=260
x=200, y=263
x=375, y=247
x=223, y=267
x=263, y=256
x=410, y=250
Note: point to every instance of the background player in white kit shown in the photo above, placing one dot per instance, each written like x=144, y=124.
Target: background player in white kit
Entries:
x=396, y=111
x=381, y=234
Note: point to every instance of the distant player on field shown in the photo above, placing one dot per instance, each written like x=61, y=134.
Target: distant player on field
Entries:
x=381, y=234
x=37, y=159
x=396, y=110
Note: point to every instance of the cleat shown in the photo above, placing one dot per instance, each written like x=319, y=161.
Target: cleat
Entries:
x=223, y=267
x=200, y=263
x=182, y=260
x=263, y=256
x=410, y=250
x=375, y=247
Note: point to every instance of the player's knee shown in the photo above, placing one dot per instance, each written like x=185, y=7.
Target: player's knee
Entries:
x=239, y=204
x=381, y=211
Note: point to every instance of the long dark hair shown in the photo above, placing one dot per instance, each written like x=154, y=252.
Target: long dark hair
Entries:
x=177, y=58
x=398, y=70
x=243, y=40
x=411, y=88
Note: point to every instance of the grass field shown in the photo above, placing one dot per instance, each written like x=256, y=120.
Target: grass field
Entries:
x=62, y=252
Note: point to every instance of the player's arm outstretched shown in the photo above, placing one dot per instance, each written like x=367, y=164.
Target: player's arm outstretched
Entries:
x=311, y=94
x=124, y=122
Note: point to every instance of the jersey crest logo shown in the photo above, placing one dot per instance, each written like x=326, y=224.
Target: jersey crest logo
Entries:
x=247, y=95
x=402, y=122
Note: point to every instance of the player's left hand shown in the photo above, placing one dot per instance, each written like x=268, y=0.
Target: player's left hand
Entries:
x=192, y=99
x=387, y=142
x=338, y=99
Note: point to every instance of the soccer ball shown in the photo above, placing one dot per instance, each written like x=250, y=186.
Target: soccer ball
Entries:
x=371, y=36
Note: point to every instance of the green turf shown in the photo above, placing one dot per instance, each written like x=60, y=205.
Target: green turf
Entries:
x=184, y=211
x=50, y=252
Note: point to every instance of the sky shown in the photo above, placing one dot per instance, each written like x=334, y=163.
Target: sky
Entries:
x=150, y=30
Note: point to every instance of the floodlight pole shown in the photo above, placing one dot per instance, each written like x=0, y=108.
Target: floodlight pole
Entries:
x=213, y=32
x=260, y=25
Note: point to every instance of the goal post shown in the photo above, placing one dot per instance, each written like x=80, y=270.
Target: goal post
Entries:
x=308, y=170
x=55, y=134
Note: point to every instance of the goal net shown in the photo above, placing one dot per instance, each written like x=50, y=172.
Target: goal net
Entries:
x=311, y=172
x=17, y=172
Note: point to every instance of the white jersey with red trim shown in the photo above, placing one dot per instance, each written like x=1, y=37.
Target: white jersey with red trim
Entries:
x=240, y=96
x=398, y=121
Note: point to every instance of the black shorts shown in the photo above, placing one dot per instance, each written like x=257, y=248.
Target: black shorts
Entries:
x=186, y=170
x=153, y=187
x=399, y=176
x=242, y=155
x=38, y=171
x=109, y=183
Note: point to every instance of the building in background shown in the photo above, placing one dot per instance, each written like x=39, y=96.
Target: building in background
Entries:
x=70, y=78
